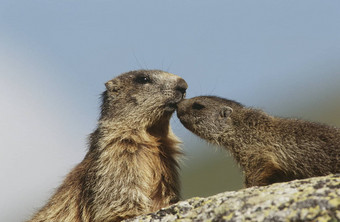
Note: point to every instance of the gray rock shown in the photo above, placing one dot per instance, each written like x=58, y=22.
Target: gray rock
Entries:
x=313, y=199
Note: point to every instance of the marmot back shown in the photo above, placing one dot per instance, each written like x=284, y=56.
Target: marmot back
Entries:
x=269, y=149
x=131, y=166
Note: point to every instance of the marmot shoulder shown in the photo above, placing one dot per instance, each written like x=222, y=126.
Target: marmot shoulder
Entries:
x=269, y=149
x=131, y=166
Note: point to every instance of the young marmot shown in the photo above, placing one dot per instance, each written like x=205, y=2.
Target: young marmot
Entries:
x=269, y=149
x=131, y=166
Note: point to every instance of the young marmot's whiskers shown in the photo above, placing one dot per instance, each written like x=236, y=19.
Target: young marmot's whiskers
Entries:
x=131, y=167
x=269, y=149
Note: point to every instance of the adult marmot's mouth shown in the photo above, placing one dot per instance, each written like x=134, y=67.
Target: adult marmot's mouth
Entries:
x=171, y=105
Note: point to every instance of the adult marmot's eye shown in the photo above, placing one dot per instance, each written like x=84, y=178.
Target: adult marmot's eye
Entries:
x=197, y=106
x=142, y=79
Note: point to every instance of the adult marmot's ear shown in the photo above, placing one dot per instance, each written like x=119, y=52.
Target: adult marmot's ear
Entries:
x=225, y=111
x=111, y=86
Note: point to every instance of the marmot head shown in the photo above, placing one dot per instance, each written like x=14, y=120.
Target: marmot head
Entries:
x=143, y=97
x=207, y=116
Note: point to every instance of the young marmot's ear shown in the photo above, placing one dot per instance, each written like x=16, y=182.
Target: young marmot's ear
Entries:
x=111, y=85
x=225, y=111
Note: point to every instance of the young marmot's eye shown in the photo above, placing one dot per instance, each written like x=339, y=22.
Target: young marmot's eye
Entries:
x=197, y=106
x=142, y=79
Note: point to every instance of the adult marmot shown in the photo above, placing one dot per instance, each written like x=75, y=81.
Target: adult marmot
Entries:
x=131, y=165
x=269, y=149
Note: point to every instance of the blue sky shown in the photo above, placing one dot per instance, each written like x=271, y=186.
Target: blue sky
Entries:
x=55, y=57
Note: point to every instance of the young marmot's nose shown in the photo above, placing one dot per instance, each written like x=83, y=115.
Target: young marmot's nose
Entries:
x=181, y=86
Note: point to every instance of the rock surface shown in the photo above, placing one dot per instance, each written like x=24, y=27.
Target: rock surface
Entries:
x=313, y=199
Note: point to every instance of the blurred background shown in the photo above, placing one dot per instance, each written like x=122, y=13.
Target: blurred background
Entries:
x=55, y=56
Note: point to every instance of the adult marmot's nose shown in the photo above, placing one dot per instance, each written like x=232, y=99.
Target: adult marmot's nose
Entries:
x=181, y=86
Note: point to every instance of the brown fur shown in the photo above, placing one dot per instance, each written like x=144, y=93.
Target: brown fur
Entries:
x=269, y=149
x=131, y=166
